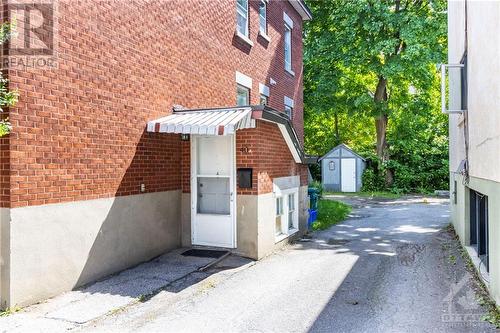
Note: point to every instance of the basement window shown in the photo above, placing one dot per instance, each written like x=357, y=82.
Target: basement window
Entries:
x=479, y=230
x=287, y=214
x=279, y=216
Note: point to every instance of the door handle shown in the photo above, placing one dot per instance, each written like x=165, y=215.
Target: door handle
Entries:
x=231, y=196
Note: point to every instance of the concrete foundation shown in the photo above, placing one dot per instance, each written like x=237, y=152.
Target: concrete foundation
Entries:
x=50, y=249
x=460, y=215
x=46, y=250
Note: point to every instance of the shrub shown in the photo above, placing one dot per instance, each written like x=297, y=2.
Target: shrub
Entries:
x=318, y=186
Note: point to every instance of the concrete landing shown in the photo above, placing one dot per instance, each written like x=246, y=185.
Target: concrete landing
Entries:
x=107, y=296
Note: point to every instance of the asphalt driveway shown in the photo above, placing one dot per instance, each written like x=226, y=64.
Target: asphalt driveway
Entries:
x=388, y=268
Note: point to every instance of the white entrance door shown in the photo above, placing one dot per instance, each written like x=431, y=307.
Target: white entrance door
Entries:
x=348, y=174
x=213, y=191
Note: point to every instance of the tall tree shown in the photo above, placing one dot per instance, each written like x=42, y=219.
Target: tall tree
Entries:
x=7, y=98
x=360, y=55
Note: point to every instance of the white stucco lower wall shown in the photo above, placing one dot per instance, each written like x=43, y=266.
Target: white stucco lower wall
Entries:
x=55, y=248
x=267, y=220
x=460, y=216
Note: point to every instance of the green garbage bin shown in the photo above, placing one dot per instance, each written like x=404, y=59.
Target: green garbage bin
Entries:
x=313, y=197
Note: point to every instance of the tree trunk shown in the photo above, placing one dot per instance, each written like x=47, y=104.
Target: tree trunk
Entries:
x=381, y=122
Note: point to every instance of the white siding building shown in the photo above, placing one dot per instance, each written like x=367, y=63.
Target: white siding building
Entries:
x=474, y=43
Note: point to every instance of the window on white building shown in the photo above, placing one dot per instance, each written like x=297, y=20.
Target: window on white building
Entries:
x=242, y=17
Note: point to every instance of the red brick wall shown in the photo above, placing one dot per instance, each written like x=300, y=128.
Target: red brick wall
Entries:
x=79, y=130
x=265, y=150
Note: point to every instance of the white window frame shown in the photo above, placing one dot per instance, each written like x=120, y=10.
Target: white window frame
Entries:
x=264, y=93
x=240, y=11
x=279, y=214
x=239, y=88
x=287, y=40
x=289, y=104
x=263, y=98
x=243, y=80
x=263, y=18
x=285, y=230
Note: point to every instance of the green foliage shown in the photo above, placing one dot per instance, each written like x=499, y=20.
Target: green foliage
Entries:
x=318, y=186
x=330, y=212
x=348, y=47
x=7, y=98
x=371, y=181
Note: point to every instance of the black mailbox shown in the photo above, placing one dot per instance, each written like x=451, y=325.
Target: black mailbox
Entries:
x=244, y=177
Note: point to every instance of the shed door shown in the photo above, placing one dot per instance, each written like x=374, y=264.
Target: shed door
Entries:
x=348, y=174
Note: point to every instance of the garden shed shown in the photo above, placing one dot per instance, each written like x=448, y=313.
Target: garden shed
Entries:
x=342, y=169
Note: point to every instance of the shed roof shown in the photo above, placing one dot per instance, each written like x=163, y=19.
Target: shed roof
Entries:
x=342, y=145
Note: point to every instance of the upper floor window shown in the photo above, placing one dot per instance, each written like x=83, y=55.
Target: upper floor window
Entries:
x=288, y=42
x=263, y=100
x=243, y=86
x=264, y=94
x=263, y=17
x=288, y=107
x=242, y=95
x=242, y=17
x=288, y=111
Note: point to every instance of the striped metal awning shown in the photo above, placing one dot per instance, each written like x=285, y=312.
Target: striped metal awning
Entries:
x=223, y=121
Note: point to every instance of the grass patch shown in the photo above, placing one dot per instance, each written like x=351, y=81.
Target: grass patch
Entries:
x=330, y=212
x=371, y=194
x=9, y=311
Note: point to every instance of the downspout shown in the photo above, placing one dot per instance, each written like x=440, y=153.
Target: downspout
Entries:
x=465, y=171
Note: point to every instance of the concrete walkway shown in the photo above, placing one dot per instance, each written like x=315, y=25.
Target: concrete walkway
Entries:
x=389, y=268
x=76, y=308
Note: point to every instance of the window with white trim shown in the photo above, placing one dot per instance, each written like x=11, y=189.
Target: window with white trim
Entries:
x=264, y=94
x=287, y=214
x=288, y=107
x=288, y=48
x=242, y=95
x=289, y=111
x=279, y=216
x=242, y=17
x=263, y=17
x=291, y=211
x=263, y=100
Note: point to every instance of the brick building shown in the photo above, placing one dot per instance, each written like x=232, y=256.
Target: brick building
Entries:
x=149, y=135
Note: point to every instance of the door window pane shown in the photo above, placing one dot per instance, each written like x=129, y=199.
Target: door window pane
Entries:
x=213, y=195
